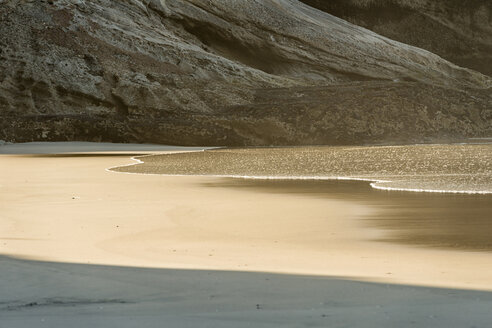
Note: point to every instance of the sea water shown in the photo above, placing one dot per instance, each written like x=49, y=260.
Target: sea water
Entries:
x=432, y=168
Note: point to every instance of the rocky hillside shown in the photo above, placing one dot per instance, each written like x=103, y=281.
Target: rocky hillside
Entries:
x=457, y=30
x=223, y=72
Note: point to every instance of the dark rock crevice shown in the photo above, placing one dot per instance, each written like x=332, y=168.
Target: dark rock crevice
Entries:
x=121, y=107
x=259, y=55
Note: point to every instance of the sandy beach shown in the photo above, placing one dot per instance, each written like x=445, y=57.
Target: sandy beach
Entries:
x=81, y=245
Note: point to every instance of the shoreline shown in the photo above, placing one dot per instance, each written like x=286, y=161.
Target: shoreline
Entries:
x=117, y=217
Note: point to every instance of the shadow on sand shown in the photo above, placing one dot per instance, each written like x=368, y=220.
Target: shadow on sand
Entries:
x=47, y=294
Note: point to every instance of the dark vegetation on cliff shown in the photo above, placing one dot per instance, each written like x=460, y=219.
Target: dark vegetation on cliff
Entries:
x=224, y=72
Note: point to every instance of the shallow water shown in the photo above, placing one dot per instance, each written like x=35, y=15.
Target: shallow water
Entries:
x=444, y=168
x=459, y=216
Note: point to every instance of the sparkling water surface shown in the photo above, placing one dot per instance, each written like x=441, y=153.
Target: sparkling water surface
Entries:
x=439, y=168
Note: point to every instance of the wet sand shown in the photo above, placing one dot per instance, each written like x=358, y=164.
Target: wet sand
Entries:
x=453, y=221
x=124, y=250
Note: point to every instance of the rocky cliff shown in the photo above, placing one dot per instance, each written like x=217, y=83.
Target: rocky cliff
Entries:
x=457, y=30
x=223, y=72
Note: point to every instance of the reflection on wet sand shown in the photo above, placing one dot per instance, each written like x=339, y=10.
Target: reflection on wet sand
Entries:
x=431, y=219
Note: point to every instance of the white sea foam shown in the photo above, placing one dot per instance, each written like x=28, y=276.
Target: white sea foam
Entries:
x=447, y=191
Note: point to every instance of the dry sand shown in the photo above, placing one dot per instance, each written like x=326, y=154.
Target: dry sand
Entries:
x=84, y=246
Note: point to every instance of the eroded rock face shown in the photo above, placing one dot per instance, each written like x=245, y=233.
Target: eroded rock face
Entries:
x=222, y=72
x=457, y=30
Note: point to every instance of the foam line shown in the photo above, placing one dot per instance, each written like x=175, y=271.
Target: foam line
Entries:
x=470, y=192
